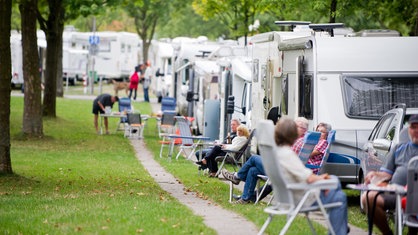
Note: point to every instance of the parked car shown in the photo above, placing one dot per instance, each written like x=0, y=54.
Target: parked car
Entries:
x=390, y=130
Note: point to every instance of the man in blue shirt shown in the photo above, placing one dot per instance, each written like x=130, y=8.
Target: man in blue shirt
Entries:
x=395, y=171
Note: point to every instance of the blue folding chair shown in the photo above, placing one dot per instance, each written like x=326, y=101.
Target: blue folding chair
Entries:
x=309, y=142
x=168, y=103
x=125, y=106
x=330, y=140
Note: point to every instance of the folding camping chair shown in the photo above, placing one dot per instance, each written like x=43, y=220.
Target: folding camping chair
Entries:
x=187, y=139
x=330, y=140
x=168, y=104
x=309, y=141
x=125, y=106
x=134, y=128
x=234, y=157
x=285, y=203
x=166, y=124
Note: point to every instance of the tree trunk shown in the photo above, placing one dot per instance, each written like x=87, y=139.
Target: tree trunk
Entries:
x=32, y=111
x=333, y=11
x=53, y=32
x=5, y=72
x=60, y=84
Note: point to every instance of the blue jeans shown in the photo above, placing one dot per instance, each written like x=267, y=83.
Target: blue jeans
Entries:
x=204, y=152
x=146, y=95
x=337, y=215
x=130, y=93
x=248, y=173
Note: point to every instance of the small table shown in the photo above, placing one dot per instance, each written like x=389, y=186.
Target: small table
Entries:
x=144, y=118
x=110, y=115
x=397, y=189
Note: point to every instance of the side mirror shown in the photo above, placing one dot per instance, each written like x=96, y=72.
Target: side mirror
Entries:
x=382, y=144
x=230, y=104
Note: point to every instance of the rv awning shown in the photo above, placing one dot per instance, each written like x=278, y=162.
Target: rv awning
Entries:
x=241, y=69
x=206, y=66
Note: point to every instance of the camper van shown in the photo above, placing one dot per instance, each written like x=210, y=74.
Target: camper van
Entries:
x=195, y=78
x=234, y=86
x=16, y=56
x=116, y=54
x=348, y=82
x=161, y=54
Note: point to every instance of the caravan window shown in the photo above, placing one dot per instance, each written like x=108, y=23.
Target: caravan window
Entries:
x=371, y=96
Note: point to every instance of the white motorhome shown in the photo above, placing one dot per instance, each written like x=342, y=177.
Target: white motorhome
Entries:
x=74, y=60
x=161, y=54
x=117, y=52
x=235, y=81
x=348, y=82
x=195, y=79
x=16, y=55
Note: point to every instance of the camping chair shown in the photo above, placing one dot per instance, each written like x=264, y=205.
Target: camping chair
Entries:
x=285, y=203
x=410, y=216
x=330, y=140
x=234, y=157
x=309, y=141
x=125, y=106
x=134, y=128
x=168, y=104
x=187, y=139
x=166, y=123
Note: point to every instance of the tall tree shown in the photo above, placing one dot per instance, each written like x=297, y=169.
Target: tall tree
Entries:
x=146, y=14
x=5, y=72
x=237, y=14
x=32, y=115
x=53, y=26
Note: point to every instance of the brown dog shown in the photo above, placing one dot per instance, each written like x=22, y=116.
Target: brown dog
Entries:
x=120, y=86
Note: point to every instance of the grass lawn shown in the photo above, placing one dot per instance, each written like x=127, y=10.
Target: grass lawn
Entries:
x=74, y=181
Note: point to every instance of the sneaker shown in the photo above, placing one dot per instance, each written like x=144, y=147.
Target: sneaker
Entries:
x=199, y=163
x=231, y=177
x=242, y=201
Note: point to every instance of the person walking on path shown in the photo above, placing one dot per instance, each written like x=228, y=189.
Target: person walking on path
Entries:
x=99, y=106
x=147, y=81
x=133, y=82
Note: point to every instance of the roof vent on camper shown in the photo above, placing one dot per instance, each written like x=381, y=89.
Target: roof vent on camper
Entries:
x=378, y=33
x=204, y=54
x=326, y=27
x=292, y=24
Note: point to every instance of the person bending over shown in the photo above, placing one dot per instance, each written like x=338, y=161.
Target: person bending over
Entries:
x=99, y=105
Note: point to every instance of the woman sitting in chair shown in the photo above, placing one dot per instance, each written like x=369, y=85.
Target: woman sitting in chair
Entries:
x=209, y=160
x=296, y=172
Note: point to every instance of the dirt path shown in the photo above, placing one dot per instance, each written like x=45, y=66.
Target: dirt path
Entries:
x=214, y=216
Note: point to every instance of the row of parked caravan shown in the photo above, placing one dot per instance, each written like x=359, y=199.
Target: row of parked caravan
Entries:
x=325, y=73
x=111, y=55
